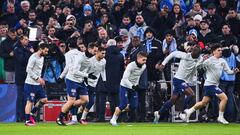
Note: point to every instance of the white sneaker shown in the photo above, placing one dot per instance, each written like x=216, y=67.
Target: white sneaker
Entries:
x=72, y=122
x=185, y=116
x=222, y=120
x=156, y=117
x=113, y=122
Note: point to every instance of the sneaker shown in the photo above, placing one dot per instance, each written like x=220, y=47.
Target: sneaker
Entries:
x=84, y=122
x=222, y=120
x=72, y=122
x=113, y=122
x=32, y=118
x=29, y=123
x=185, y=115
x=60, y=122
x=156, y=117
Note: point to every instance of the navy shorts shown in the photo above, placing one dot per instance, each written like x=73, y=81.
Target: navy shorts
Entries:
x=128, y=96
x=74, y=89
x=179, y=86
x=212, y=90
x=33, y=92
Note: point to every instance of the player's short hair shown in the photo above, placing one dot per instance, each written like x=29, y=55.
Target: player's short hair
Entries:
x=100, y=49
x=142, y=54
x=215, y=46
x=43, y=46
x=92, y=45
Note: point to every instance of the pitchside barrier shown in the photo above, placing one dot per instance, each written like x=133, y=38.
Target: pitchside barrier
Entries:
x=178, y=108
x=8, y=98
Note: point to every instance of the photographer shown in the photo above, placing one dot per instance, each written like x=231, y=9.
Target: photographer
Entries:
x=53, y=64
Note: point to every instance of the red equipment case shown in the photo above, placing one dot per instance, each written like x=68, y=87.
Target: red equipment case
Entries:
x=51, y=110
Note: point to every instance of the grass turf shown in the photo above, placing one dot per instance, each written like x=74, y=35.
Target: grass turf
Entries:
x=122, y=129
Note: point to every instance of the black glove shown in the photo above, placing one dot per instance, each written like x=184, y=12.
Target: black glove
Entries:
x=135, y=87
x=60, y=80
x=91, y=76
x=86, y=80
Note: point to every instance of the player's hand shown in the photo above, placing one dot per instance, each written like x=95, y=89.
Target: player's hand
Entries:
x=236, y=70
x=135, y=87
x=91, y=76
x=206, y=56
x=160, y=67
x=41, y=81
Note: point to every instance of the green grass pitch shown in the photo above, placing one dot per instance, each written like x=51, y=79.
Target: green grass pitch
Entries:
x=122, y=129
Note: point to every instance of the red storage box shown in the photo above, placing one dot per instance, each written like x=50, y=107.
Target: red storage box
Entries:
x=51, y=110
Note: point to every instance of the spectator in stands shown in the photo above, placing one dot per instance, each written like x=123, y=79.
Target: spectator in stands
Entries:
x=233, y=21
x=10, y=16
x=214, y=19
x=124, y=34
x=197, y=9
x=66, y=31
x=102, y=34
x=197, y=19
x=206, y=35
x=169, y=45
x=53, y=22
x=62, y=17
x=90, y=34
x=162, y=23
x=126, y=22
x=149, y=12
x=22, y=52
x=51, y=36
x=106, y=24
x=32, y=18
x=227, y=37
x=25, y=7
x=155, y=54
x=138, y=28
x=177, y=17
x=223, y=8
x=3, y=30
x=6, y=52
x=87, y=15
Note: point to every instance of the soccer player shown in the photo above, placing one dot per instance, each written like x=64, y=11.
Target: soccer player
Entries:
x=75, y=83
x=186, y=70
x=33, y=87
x=97, y=67
x=129, y=85
x=214, y=67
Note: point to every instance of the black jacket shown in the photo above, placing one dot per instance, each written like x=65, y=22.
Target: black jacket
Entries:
x=209, y=38
x=114, y=69
x=154, y=57
x=6, y=48
x=21, y=59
